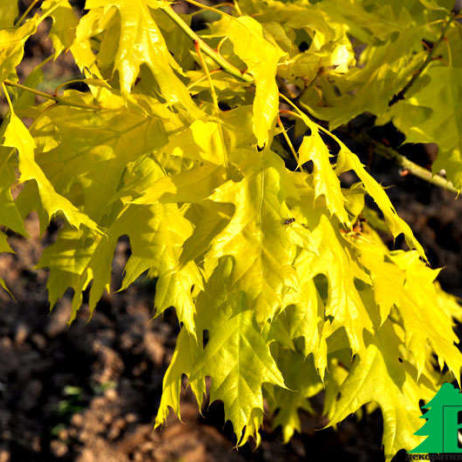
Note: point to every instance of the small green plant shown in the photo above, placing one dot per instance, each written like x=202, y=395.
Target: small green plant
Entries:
x=213, y=151
x=71, y=402
x=100, y=388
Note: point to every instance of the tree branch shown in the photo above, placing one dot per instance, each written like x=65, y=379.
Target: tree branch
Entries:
x=28, y=10
x=210, y=8
x=408, y=165
x=209, y=51
x=401, y=94
x=56, y=99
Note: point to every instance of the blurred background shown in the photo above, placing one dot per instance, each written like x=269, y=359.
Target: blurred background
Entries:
x=89, y=392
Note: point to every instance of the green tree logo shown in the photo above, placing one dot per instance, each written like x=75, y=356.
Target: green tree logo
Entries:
x=444, y=420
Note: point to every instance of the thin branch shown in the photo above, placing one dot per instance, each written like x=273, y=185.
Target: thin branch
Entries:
x=408, y=165
x=401, y=94
x=210, y=8
x=7, y=96
x=202, y=78
x=209, y=77
x=28, y=10
x=209, y=51
x=56, y=99
x=383, y=151
x=59, y=87
x=289, y=143
x=294, y=106
x=237, y=7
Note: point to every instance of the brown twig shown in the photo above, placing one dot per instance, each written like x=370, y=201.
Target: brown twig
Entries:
x=209, y=51
x=407, y=165
x=55, y=98
x=402, y=93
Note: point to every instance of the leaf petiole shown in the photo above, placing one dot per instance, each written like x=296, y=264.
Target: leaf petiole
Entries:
x=209, y=51
x=56, y=99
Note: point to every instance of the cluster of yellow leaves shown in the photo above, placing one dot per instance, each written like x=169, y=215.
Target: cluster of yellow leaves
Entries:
x=338, y=83
x=277, y=296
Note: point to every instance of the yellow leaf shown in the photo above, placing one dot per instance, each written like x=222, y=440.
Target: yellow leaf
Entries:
x=261, y=58
x=326, y=182
x=65, y=21
x=378, y=376
x=141, y=42
x=256, y=235
x=8, y=13
x=17, y=136
x=12, y=47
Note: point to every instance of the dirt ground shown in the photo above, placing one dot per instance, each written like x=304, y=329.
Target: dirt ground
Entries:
x=89, y=392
